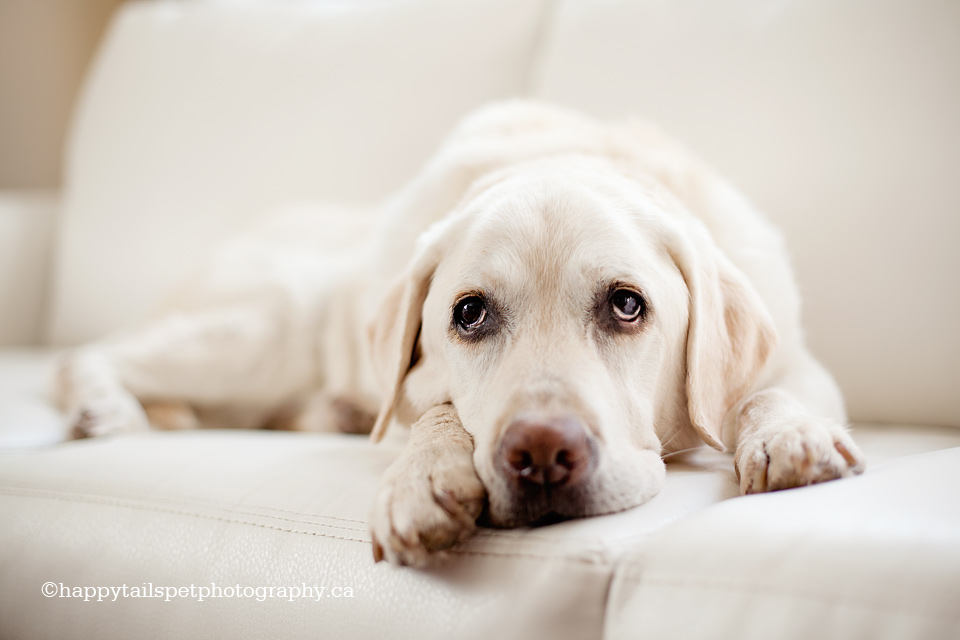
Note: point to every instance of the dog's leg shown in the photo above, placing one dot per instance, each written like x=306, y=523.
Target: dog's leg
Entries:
x=244, y=354
x=328, y=411
x=170, y=415
x=95, y=402
x=430, y=498
x=792, y=433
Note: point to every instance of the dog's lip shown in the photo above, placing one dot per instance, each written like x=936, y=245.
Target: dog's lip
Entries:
x=538, y=508
x=552, y=517
x=543, y=520
x=548, y=518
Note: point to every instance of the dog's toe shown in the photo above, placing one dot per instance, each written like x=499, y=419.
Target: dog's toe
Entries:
x=421, y=511
x=796, y=455
x=109, y=414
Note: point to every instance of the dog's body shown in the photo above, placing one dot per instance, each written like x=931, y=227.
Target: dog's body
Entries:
x=574, y=300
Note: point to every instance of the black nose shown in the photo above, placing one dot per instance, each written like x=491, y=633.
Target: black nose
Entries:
x=547, y=452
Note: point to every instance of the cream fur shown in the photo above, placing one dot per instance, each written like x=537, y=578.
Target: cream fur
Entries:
x=537, y=207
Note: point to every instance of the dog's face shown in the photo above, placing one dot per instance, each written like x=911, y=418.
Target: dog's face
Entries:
x=554, y=316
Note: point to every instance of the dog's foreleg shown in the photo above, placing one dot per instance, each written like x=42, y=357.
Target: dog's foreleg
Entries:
x=90, y=394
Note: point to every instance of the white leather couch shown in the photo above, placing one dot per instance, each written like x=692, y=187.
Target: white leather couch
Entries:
x=838, y=117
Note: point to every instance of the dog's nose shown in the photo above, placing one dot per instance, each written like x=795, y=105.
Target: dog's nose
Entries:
x=548, y=452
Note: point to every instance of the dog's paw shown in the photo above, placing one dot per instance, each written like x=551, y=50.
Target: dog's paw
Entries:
x=107, y=414
x=425, y=504
x=796, y=455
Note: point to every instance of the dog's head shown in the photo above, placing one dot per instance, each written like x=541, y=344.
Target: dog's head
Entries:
x=574, y=318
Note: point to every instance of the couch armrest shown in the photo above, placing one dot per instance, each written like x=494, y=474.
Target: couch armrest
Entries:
x=26, y=241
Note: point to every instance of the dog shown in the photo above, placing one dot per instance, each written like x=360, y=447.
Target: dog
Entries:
x=553, y=304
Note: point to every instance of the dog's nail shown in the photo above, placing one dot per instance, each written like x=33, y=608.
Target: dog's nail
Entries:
x=465, y=514
x=446, y=500
x=846, y=454
x=377, y=551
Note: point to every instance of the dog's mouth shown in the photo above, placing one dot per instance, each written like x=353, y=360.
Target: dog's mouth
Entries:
x=551, y=517
x=537, y=508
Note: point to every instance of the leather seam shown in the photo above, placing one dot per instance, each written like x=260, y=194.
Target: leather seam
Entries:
x=193, y=501
x=112, y=502
x=225, y=506
x=92, y=499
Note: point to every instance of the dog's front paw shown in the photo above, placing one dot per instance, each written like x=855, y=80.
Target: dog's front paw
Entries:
x=107, y=414
x=426, y=503
x=795, y=455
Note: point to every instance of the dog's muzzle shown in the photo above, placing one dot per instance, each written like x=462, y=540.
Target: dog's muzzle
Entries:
x=545, y=462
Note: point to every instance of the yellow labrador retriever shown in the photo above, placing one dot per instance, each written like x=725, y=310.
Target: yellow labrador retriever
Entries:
x=553, y=304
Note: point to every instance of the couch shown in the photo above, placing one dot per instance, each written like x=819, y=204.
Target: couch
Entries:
x=838, y=118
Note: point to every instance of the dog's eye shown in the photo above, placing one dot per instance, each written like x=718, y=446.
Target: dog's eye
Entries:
x=627, y=305
x=470, y=313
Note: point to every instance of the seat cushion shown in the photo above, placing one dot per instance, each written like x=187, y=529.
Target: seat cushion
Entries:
x=877, y=556
x=263, y=509
x=284, y=509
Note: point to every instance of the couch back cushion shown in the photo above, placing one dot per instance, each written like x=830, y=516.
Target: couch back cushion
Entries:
x=198, y=116
x=841, y=120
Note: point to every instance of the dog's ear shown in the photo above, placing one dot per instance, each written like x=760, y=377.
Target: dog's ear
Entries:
x=395, y=329
x=730, y=334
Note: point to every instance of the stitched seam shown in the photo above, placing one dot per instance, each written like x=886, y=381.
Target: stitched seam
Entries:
x=526, y=535
x=534, y=556
x=196, y=501
x=596, y=549
x=126, y=505
x=232, y=510
x=719, y=585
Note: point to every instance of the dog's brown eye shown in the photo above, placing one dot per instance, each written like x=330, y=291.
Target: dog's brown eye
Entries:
x=627, y=305
x=470, y=313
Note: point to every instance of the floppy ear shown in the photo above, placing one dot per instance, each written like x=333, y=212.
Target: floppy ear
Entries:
x=394, y=334
x=730, y=335
x=395, y=330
